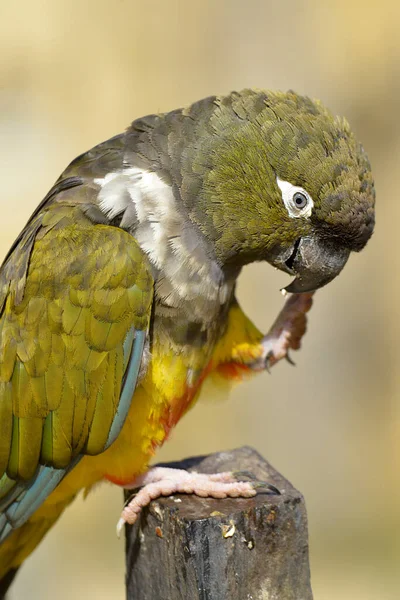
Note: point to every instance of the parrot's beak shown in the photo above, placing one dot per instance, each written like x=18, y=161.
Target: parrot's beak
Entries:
x=314, y=262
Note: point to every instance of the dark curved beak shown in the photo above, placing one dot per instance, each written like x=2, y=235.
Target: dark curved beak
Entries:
x=315, y=262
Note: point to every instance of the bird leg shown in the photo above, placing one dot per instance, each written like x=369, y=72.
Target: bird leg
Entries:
x=165, y=481
x=286, y=332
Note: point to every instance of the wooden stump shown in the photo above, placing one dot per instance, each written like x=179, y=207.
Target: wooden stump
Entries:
x=190, y=548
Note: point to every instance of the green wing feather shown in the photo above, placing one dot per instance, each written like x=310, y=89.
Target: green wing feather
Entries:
x=71, y=294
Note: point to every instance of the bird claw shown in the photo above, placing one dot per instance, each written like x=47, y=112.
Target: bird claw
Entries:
x=259, y=485
x=120, y=526
x=267, y=362
x=289, y=359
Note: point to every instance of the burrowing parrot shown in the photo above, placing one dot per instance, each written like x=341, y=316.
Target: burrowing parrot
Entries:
x=117, y=299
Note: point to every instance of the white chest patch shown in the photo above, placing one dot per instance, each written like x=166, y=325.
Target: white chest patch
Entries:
x=297, y=200
x=187, y=277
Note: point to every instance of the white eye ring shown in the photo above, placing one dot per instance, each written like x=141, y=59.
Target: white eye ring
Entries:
x=298, y=202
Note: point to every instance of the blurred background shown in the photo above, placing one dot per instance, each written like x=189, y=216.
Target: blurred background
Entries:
x=75, y=72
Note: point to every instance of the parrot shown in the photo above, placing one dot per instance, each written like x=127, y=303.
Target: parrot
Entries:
x=117, y=299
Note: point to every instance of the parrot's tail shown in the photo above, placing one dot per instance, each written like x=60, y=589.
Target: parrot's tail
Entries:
x=6, y=581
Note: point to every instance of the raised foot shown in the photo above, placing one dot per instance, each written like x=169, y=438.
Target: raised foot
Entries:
x=286, y=333
x=164, y=481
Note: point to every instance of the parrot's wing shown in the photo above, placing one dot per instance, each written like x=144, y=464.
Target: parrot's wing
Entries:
x=75, y=304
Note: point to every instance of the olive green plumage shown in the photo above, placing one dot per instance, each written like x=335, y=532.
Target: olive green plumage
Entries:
x=222, y=156
x=134, y=254
x=70, y=292
x=62, y=338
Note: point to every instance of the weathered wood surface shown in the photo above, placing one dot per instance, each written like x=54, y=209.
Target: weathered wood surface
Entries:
x=190, y=548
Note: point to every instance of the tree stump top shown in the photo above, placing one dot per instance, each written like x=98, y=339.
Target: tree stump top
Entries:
x=187, y=548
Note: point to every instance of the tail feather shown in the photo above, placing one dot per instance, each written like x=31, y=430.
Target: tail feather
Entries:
x=6, y=581
x=24, y=499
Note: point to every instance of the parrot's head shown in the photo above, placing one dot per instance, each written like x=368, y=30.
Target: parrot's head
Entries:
x=284, y=181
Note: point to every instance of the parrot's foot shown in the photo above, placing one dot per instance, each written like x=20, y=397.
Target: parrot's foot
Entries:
x=286, y=332
x=164, y=481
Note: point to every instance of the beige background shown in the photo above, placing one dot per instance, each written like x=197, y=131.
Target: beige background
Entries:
x=75, y=72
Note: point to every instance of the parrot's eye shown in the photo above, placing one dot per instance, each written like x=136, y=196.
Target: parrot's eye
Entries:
x=297, y=201
x=300, y=200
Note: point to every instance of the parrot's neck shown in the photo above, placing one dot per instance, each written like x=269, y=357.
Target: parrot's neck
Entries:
x=187, y=274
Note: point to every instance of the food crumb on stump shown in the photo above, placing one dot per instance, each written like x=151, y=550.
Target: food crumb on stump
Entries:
x=159, y=532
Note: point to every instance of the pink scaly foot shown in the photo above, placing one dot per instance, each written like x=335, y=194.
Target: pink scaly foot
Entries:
x=164, y=481
x=286, y=332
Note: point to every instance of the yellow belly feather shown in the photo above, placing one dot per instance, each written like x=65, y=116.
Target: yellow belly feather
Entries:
x=162, y=393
